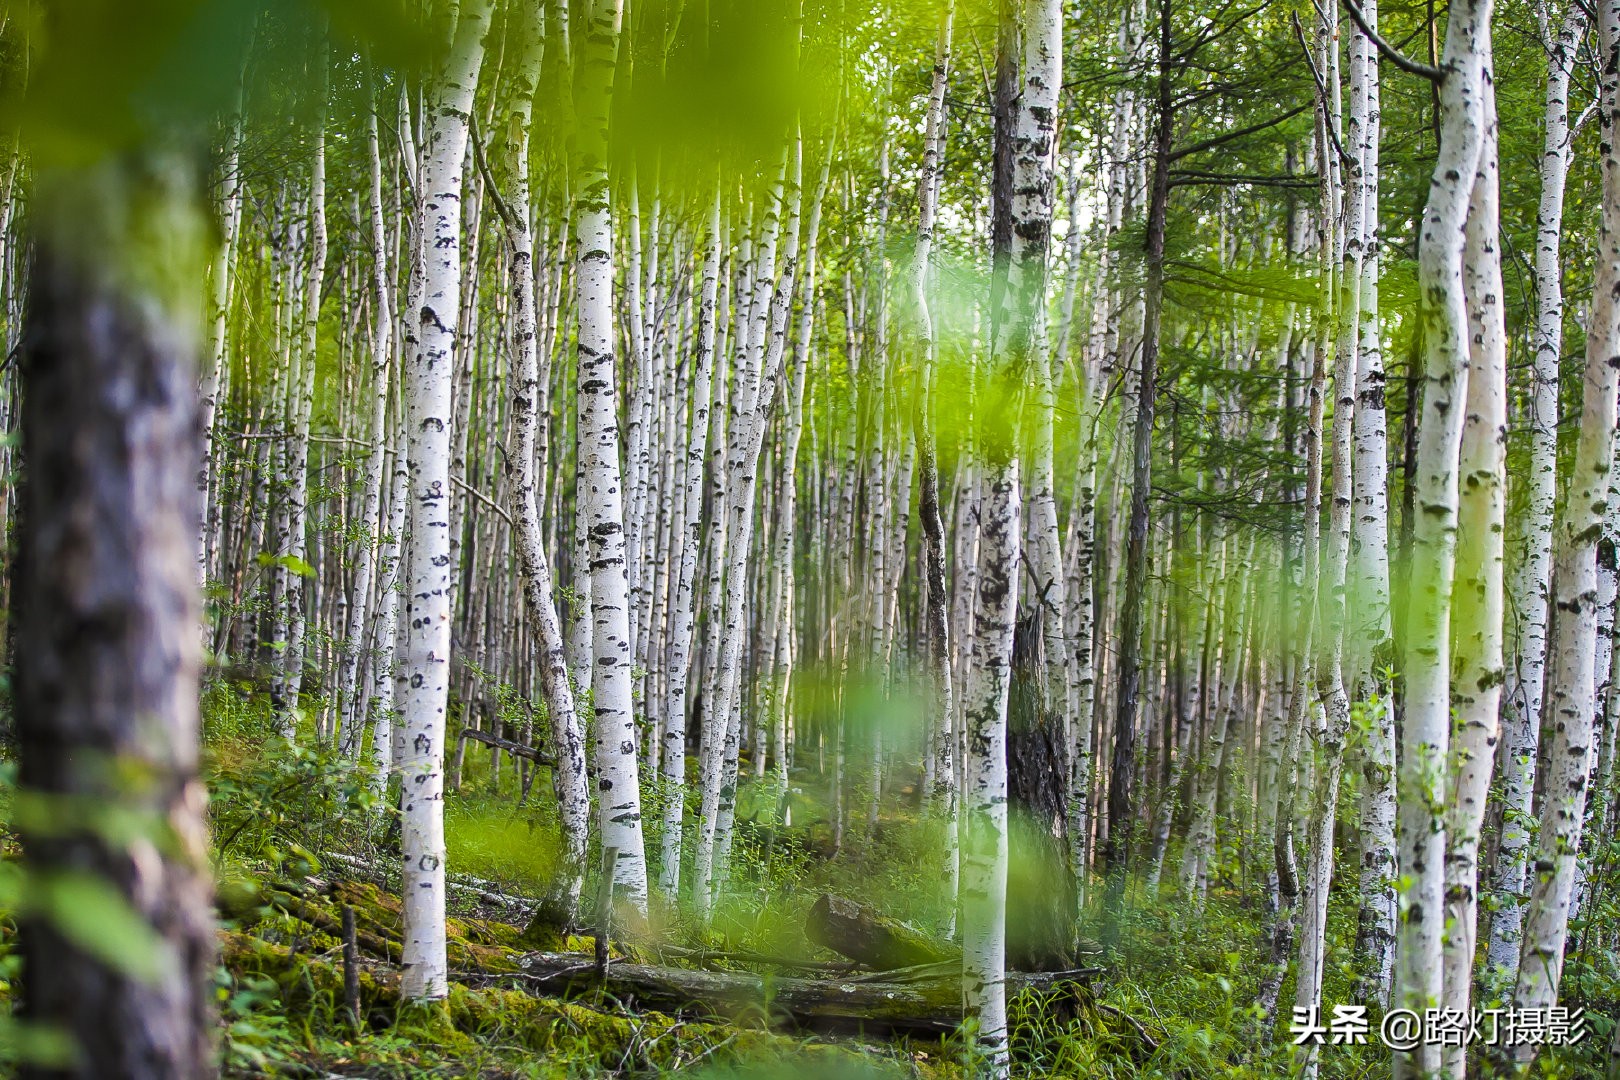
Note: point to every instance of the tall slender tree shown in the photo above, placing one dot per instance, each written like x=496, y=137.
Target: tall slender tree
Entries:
x=1572, y=749
x=601, y=494
x=1426, y=655
x=432, y=357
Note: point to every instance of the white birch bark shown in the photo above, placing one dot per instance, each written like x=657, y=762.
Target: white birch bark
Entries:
x=1020, y=340
x=1081, y=553
x=681, y=632
x=1328, y=661
x=640, y=376
x=1568, y=757
x=942, y=790
x=1477, y=603
x=428, y=385
x=984, y=764
x=1295, y=776
x=602, y=496
x=767, y=339
x=581, y=630
x=748, y=403
x=1368, y=615
x=295, y=542
x=711, y=743
x=662, y=560
x=784, y=584
x=385, y=619
x=523, y=465
x=350, y=693
x=1199, y=849
x=221, y=272
x=964, y=598
x=1033, y=150
x=1521, y=714
x=1426, y=734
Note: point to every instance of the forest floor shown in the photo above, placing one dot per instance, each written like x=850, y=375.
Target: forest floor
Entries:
x=294, y=840
x=298, y=838
x=284, y=1003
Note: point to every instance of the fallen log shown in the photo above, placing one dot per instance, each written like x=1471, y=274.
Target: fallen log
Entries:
x=871, y=938
x=508, y=745
x=743, y=956
x=321, y=919
x=486, y=891
x=931, y=1006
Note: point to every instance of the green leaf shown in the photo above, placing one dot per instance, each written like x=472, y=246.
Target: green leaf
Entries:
x=94, y=916
x=290, y=563
x=24, y=1043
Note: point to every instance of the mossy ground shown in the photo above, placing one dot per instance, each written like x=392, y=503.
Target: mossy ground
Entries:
x=1177, y=1002
x=282, y=995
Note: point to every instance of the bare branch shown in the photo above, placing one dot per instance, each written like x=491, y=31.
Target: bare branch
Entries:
x=1184, y=177
x=1321, y=90
x=1394, y=55
x=1221, y=140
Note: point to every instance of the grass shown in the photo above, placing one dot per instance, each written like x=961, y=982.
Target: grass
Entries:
x=516, y=849
x=1178, y=1001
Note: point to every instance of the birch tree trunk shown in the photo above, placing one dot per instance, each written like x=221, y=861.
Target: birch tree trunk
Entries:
x=349, y=691
x=1022, y=201
x=984, y=809
x=749, y=403
x=1477, y=605
x=602, y=479
x=221, y=274
x=1329, y=658
x=1569, y=756
x=523, y=464
x=1521, y=714
x=1425, y=664
x=1081, y=552
x=1022, y=328
x=1034, y=145
x=1369, y=618
x=943, y=794
x=1199, y=848
x=385, y=621
x=681, y=632
x=767, y=338
x=430, y=374
x=784, y=579
x=291, y=567
x=1128, y=673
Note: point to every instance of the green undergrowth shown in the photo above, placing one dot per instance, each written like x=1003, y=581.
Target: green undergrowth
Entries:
x=281, y=989
x=516, y=849
x=1178, y=999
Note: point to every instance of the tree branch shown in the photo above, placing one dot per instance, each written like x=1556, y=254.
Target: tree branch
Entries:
x=485, y=499
x=1394, y=55
x=506, y=214
x=1184, y=177
x=1221, y=140
x=1321, y=91
x=539, y=757
x=1213, y=31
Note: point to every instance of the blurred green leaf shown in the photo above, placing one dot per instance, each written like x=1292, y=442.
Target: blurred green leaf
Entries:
x=24, y=1043
x=93, y=915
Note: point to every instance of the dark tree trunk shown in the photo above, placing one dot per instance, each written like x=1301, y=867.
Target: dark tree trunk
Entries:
x=1042, y=894
x=1005, y=121
x=869, y=937
x=109, y=646
x=869, y=1005
x=1120, y=807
